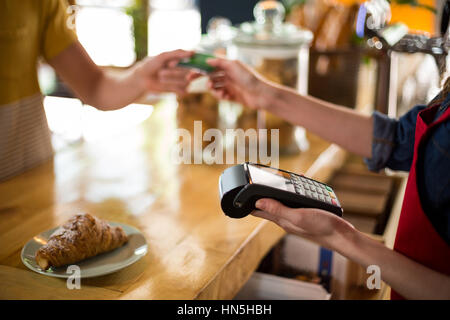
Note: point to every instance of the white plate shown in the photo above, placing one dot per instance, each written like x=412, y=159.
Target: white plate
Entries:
x=105, y=263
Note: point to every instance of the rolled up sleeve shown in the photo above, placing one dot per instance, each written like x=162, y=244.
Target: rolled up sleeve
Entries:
x=383, y=141
x=393, y=141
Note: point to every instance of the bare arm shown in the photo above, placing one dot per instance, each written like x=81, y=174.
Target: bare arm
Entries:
x=345, y=127
x=105, y=91
x=353, y=131
x=409, y=278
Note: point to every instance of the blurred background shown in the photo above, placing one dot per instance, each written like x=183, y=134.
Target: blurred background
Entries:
x=342, y=66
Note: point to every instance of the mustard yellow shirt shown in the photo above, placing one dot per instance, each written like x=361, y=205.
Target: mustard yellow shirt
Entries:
x=29, y=29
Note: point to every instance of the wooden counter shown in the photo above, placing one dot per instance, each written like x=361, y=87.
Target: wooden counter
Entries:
x=195, y=251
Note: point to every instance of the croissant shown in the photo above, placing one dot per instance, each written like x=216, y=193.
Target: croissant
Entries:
x=82, y=237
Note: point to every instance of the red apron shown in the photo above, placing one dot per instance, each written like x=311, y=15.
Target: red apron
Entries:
x=416, y=237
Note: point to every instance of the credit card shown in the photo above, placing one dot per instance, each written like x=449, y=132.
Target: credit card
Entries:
x=197, y=61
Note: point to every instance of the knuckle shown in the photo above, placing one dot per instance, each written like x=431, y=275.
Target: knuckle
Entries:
x=271, y=208
x=164, y=56
x=276, y=208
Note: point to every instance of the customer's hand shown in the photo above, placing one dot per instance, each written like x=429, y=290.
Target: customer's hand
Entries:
x=161, y=74
x=317, y=225
x=235, y=81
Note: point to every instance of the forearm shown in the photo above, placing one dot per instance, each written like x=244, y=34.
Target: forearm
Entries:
x=94, y=85
x=114, y=91
x=345, y=127
x=409, y=278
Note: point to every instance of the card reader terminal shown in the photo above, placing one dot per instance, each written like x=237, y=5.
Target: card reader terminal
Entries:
x=242, y=185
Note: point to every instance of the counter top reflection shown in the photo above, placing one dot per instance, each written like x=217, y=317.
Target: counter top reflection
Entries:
x=195, y=251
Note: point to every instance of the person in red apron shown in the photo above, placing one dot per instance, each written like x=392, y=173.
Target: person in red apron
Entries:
x=418, y=142
x=416, y=237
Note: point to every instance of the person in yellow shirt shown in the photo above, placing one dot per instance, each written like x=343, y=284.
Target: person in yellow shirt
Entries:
x=31, y=29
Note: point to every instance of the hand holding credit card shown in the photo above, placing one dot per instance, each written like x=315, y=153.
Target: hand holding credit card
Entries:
x=197, y=61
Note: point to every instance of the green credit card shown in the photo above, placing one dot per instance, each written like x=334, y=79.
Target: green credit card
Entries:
x=197, y=61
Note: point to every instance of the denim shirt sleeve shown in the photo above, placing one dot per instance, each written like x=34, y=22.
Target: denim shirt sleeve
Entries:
x=393, y=141
x=393, y=147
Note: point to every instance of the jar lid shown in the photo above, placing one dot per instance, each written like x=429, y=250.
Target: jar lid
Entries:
x=268, y=29
x=219, y=34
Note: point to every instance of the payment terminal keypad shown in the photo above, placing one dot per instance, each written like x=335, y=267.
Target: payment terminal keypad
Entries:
x=314, y=190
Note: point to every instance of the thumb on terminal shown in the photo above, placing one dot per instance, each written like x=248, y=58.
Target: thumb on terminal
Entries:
x=261, y=204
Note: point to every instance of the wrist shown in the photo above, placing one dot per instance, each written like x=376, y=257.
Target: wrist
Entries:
x=345, y=238
x=137, y=73
x=355, y=245
x=278, y=99
x=266, y=95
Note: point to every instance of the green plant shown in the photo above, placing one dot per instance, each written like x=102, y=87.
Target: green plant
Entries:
x=139, y=12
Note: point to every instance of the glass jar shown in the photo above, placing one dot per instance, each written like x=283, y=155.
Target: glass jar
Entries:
x=199, y=104
x=280, y=52
x=194, y=107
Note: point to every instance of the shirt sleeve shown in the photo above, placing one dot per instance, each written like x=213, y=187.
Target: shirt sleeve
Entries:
x=57, y=35
x=393, y=141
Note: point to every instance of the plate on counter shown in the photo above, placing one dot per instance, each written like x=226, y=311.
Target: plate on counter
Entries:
x=100, y=265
